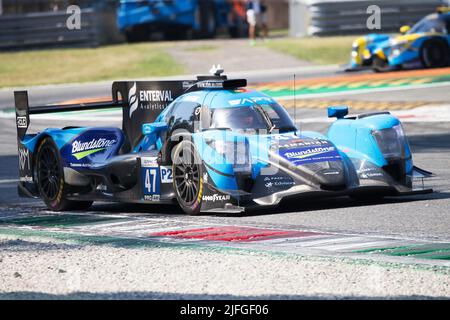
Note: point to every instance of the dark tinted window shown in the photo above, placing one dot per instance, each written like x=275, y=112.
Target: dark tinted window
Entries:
x=183, y=115
x=242, y=118
x=237, y=118
x=429, y=24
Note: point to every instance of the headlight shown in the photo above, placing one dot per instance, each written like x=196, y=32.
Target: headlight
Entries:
x=235, y=153
x=396, y=52
x=397, y=47
x=391, y=141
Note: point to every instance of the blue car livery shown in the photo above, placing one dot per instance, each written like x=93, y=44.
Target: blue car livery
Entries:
x=210, y=145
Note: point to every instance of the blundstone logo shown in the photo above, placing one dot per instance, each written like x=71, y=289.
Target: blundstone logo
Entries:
x=308, y=153
x=83, y=149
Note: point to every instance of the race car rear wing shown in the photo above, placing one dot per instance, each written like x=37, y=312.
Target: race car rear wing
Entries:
x=141, y=102
x=23, y=110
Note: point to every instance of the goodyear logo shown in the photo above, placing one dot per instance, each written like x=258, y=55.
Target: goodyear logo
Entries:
x=216, y=197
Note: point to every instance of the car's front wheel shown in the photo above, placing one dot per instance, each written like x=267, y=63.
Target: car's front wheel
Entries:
x=435, y=54
x=50, y=179
x=187, y=177
x=379, y=65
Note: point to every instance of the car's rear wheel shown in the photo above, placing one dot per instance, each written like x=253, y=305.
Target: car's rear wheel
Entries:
x=435, y=54
x=50, y=179
x=187, y=177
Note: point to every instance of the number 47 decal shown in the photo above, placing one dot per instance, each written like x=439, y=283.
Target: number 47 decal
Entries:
x=151, y=180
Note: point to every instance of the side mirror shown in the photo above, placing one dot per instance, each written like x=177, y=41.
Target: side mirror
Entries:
x=404, y=29
x=337, y=112
x=155, y=127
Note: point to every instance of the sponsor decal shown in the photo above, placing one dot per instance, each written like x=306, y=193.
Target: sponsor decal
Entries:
x=147, y=162
x=210, y=84
x=186, y=84
x=150, y=177
x=81, y=165
x=278, y=182
x=132, y=99
x=369, y=173
x=166, y=174
x=305, y=155
x=148, y=99
x=155, y=95
x=82, y=149
x=22, y=122
x=216, y=197
x=24, y=159
x=153, y=197
x=298, y=143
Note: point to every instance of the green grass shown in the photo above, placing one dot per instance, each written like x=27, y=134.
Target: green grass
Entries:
x=327, y=50
x=125, y=61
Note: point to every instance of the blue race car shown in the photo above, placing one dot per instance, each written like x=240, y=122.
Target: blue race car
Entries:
x=210, y=145
x=425, y=45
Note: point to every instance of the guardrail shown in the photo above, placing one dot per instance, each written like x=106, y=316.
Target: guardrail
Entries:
x=44, y=29
x=340, y=17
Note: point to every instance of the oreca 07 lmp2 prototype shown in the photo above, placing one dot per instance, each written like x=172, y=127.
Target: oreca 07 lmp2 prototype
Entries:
x=425, y=45
x=210, y=145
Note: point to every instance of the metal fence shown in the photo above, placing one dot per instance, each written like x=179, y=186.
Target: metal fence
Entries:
x=47, y=29
x=340, y=17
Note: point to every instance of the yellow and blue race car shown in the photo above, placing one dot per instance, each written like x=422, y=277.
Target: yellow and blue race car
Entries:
x=425, y=45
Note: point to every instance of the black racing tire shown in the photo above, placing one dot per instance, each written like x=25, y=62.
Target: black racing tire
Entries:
x=138, y=34
x=379, y=65
x=178, y=33
x=435, y=54
x=50, y=179
x=187, y=177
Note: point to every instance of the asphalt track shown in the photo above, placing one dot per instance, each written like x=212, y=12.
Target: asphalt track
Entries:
x=421, y=221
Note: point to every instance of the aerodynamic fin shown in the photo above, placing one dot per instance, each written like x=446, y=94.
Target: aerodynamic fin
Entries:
x=421, y=173
x=22, y=113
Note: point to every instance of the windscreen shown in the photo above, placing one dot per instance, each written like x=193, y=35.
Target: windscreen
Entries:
x=428, y=24
x=265, y=116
